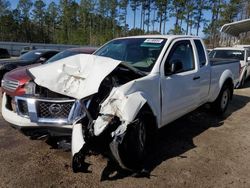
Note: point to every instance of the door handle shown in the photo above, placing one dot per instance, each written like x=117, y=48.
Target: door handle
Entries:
x=196, y=77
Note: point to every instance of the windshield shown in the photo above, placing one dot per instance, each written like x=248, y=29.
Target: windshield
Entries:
x=140, y=53
x=227, y=54
x=31, y=55
x=61, y=55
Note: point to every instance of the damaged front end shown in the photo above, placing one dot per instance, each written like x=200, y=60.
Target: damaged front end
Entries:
x=107, y=121
x=105, y=110
x=118, y=113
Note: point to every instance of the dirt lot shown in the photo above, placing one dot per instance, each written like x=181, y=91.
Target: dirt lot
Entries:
x=198, y=150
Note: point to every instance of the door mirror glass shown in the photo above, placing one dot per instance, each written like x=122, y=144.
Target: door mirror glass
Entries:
x=176, y=66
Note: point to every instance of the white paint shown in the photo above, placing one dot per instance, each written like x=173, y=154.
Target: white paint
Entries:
x=168, y=96
x=126, y=107
x=77, y=141
x=80, y=76
x=76, y=76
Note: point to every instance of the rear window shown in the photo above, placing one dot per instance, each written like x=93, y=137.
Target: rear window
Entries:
x=31, y=55
x=227, y=54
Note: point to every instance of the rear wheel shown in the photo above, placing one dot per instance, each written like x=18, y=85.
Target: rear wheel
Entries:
x=221, y=103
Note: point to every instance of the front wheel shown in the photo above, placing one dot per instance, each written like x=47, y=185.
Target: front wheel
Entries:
x=133, y=148
x=221, y=103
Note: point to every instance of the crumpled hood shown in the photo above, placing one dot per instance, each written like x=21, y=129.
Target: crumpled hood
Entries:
x=76, y=76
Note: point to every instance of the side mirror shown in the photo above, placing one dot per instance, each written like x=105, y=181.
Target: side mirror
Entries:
x=42, y=60
x=173, y=67
x=176, y=66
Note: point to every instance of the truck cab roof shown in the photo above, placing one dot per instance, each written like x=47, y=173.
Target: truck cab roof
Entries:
x=163, y=36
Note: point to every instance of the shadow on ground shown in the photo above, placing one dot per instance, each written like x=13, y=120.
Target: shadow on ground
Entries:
x=177, y=138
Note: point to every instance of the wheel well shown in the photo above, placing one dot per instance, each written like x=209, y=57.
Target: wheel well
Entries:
x=150, y=119
x=229, y=82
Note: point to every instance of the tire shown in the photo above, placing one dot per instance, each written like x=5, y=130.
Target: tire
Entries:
x=77, y=163
x=221, y=103
x=134, y=147
x=242, y=83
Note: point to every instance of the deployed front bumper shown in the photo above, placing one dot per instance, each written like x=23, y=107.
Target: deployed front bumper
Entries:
x=38, y=113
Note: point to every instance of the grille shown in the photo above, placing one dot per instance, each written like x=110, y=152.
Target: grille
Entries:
x=10, y=84
x=23, y=107
x=53, y=110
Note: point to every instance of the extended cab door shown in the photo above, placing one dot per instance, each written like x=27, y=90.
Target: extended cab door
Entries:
x=179, y=80
x=204, y=71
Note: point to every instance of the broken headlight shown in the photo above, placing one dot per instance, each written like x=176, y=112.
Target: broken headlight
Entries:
x=30, y=88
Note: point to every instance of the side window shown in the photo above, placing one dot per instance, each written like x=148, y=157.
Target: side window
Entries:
x=180, y=58
x=49, y=55
x=201, y=52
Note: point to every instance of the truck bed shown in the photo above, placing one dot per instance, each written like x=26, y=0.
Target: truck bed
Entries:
x=220, y=70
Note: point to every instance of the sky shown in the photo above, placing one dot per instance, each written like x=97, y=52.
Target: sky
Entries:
x=169, y=25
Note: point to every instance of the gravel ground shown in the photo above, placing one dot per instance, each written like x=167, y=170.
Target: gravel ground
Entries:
x=198, y=150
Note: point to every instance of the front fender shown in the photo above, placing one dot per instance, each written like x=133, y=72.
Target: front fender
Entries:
x=125, y=107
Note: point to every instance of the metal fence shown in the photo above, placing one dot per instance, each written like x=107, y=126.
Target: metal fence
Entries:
x=14, y=48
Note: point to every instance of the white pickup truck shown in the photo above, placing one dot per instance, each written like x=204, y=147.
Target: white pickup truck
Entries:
x=239, y=52
x=126, y=90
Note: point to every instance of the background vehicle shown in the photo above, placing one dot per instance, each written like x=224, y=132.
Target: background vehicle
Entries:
x=241, y=53
x=32, y=57
x=27, y=49
x=129, y=88
x=4, y=53
x=14, y=82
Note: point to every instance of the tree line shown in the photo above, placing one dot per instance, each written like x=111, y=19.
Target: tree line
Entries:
x=93, y=22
